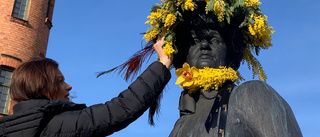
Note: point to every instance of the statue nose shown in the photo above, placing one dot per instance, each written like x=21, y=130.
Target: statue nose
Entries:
x=204, y=45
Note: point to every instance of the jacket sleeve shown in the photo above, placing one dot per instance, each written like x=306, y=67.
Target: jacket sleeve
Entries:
x=116, y=114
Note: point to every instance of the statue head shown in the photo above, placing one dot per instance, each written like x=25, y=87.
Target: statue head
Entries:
x=203, y=42
x=207, y=49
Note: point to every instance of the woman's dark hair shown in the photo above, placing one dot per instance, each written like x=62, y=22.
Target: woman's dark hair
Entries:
x=35, y=79
x=199, y=21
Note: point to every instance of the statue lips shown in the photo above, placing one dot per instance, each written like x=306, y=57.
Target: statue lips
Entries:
x=205, y=55
x=205, y=60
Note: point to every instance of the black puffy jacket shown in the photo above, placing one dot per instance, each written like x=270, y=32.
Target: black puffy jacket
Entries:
x=54, y=118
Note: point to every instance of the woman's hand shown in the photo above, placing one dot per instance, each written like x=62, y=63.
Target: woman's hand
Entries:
x=165, y=60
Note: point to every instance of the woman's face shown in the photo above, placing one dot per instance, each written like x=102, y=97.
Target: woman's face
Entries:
x=63, y=89
x=207, y=50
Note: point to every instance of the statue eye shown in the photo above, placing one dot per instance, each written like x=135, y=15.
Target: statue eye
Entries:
x=215, y=41
x=196, y=40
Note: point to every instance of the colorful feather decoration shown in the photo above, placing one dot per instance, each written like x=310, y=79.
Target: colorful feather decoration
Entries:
x=131, y=67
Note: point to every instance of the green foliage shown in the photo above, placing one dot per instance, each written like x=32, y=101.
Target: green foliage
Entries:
x=229, y=11
x=244, y=23
x=171, y=7
x=150, y=29
x=169, y=37
x=182, y=7
x=178, y=14
x=238, y=3
x=154, y=8
x=228, y=17
x=250, y=20
x=209, y=6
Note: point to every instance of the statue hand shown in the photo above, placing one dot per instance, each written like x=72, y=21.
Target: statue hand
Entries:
x=165, y=60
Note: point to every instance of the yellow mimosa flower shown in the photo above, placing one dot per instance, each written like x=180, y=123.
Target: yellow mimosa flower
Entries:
x=219, y=9
x=260, y=31
x=171, y=18
x=150, y=35
x=168, y=50
x=153, y=17
x=188, y=5
x=253, y=3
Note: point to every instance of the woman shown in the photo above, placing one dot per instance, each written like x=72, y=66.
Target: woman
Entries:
x=43, y=107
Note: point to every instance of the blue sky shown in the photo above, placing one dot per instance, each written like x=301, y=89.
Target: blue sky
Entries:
x=88, y=37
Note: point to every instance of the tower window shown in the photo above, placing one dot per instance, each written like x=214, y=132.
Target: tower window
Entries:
x=48, y=9
x=20, y=9
x=5, y=79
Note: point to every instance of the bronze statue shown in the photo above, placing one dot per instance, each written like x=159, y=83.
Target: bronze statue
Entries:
x=252, y=109
x=209, y=39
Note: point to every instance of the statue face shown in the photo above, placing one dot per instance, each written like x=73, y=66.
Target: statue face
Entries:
x=207, y=50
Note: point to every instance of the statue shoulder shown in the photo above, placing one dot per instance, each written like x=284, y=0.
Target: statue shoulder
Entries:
x=255, y=94
x=255, y=107
x=254, y=89
x=254, y=98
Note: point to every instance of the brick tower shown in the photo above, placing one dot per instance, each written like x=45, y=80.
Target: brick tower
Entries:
x=24, y=32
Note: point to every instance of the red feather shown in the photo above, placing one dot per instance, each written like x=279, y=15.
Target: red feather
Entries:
x=131, y=67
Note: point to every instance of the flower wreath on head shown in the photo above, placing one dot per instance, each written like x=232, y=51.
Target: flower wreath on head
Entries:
x=256, y=31
x=167, y=15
